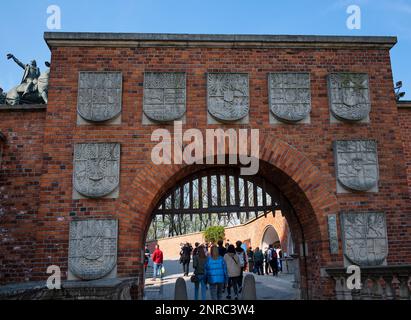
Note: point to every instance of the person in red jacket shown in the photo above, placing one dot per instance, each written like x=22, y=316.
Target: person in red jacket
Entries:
x=157, y=262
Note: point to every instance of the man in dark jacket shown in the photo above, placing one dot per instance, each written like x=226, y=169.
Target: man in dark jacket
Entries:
x=258, y=261
x=272, y=259
x=221, y=249
x=185, y=257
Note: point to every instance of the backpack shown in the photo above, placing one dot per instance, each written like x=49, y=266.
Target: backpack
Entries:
x=241, y=259
x=273, y=254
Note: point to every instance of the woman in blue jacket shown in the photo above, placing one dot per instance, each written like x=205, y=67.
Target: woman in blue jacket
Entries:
x=216, y=273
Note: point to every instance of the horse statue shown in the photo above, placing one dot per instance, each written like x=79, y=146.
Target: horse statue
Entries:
x=33, y=87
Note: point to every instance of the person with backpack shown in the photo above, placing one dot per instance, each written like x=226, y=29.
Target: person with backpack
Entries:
x=233, y=270
x=272, y=259
x=216, y=273
x=242, y=258
x=185, y=258
x=199, y=262
x=258, y=261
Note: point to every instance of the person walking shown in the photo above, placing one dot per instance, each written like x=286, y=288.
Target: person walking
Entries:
x=185, y=258
x=146, y=257
x=221, y=249
x=199, y=262
x=195, y=251
x=233, y=271
x=242, y=258
x=266, y=262
x=157, y=262
x=216, y=273
x=250, y=259
x=258, y=261
x=279, y=258
x=272, y=259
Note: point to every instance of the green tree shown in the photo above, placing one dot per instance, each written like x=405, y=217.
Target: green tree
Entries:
x=214, y=233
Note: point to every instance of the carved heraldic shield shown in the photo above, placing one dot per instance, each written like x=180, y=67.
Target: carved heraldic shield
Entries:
x=349, y=96
x=289, y=96
x=92, y=248
x=99, y=95
x=96, y=168
x=228, y=96
x=357, y=164
x=164, y=95
x=365, y=238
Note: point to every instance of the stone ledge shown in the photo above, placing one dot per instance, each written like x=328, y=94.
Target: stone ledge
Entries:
x=102, y=289
x=406, y=104
x=374, y=270
x=23, y=107
x=55, y=39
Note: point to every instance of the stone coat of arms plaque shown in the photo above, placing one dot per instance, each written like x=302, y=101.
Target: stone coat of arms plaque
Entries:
x=96, y=171
x=228, y=96
x=356, y=164
x=164, y=95
x=92, y=248
x=349, y=96
x=99, y=95
x=289, y=96
x=364, y=237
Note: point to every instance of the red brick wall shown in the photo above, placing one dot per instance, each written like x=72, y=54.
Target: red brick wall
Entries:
x=20, y=172
x=404, y=115
x=297, y=158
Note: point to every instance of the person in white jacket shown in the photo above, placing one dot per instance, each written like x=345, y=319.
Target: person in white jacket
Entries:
x=233, y=270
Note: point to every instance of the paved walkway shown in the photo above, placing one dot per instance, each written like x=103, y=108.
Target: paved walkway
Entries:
x=268, y=287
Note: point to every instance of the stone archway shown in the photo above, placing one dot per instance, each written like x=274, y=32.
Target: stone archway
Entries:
x=270, y=236
x=284, y=166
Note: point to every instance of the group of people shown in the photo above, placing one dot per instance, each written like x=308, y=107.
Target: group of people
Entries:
x=265, y=262
x=220, y=267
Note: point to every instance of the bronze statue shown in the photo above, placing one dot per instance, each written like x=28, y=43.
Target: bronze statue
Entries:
x=33, y=87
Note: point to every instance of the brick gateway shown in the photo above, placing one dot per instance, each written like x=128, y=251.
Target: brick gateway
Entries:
x=307, y=153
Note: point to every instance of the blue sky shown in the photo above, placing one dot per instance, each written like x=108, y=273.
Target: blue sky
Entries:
x=23, y=22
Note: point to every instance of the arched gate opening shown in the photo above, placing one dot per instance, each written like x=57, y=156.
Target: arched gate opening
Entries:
x=300, y=182
x=220, y=194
